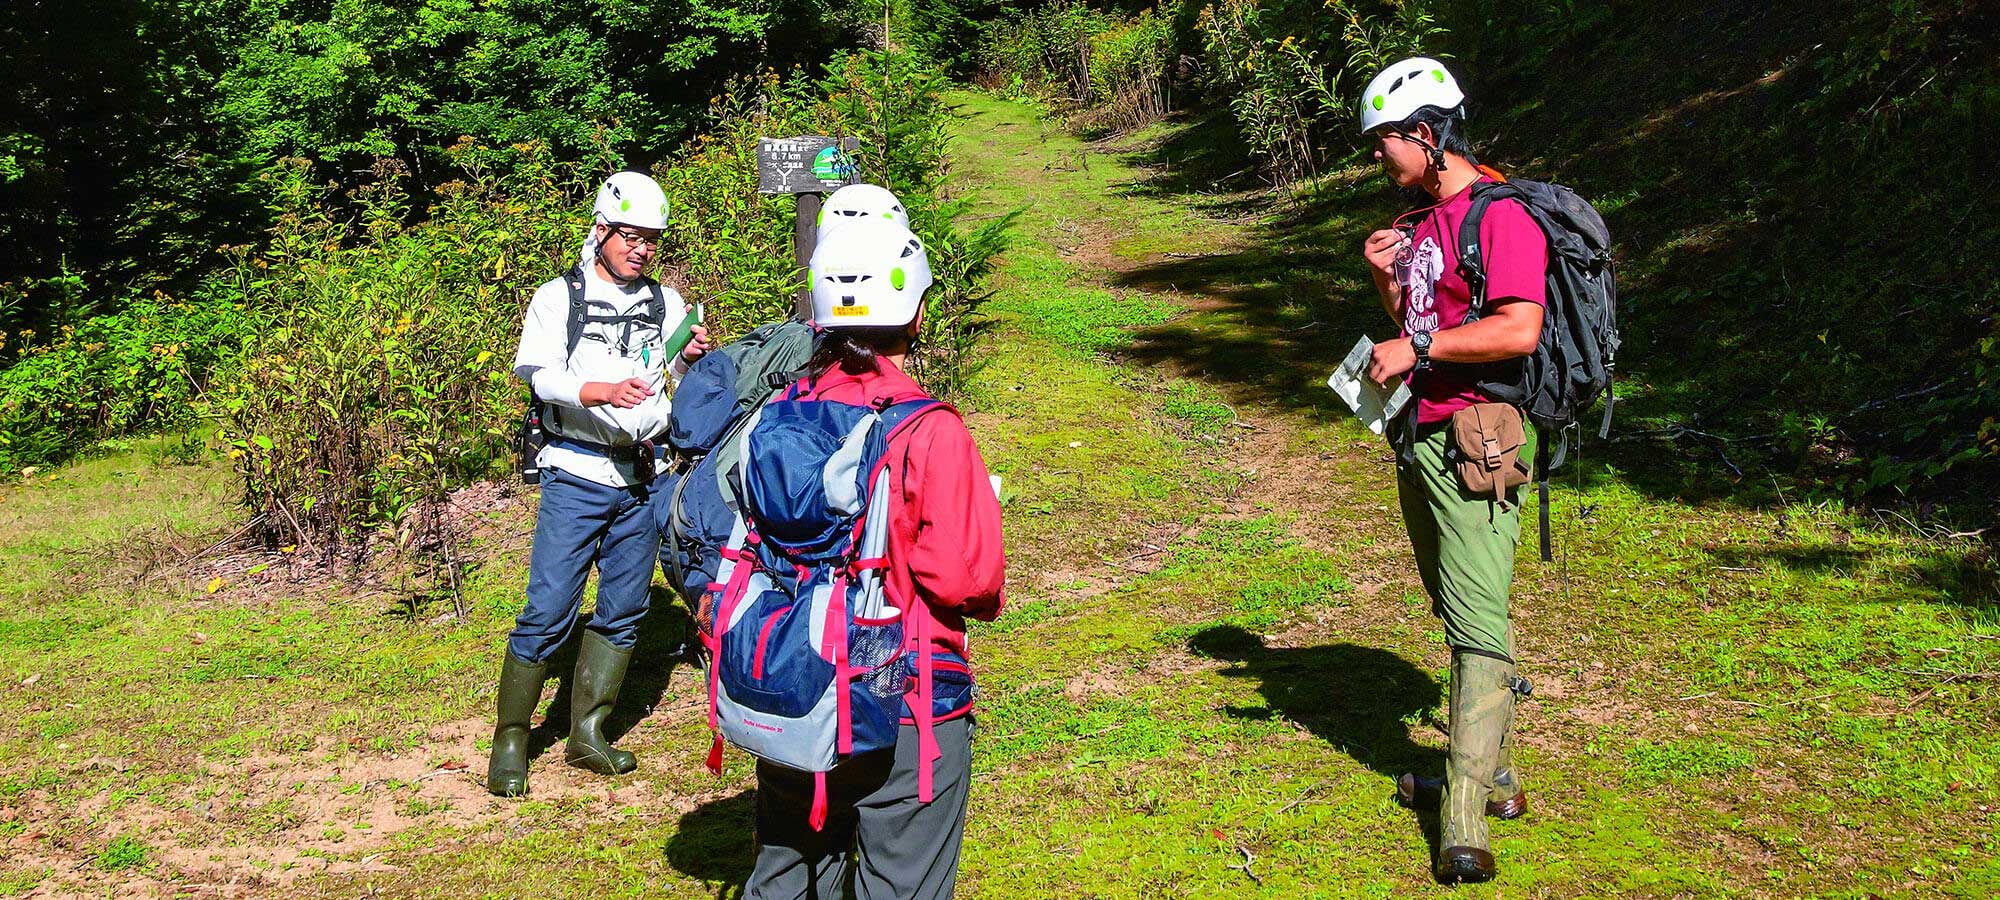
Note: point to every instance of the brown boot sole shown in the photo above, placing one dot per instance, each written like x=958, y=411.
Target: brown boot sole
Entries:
x=1463, y=865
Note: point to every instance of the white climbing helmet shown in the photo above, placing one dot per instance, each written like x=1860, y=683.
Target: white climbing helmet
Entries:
x=868, y=272
x=860, y=201
x=632, y=198
x=1405, y=87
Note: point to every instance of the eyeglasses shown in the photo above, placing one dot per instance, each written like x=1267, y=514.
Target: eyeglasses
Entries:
x=636, y=239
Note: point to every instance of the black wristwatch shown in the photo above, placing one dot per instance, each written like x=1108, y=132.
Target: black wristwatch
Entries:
x=1421, y=342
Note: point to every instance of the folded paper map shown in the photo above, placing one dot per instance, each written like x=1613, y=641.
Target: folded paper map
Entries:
x=1373, y=403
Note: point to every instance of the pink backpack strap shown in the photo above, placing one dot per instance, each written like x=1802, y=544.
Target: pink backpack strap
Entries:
x=927, y=746
x=836, y=647
x=817, y=818
x=725, y=609
x=925, y=711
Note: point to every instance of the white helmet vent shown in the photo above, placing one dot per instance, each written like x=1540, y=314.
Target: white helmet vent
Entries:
x=858, y=202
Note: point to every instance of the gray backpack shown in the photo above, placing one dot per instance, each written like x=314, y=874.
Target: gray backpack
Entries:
x=712, y=406
x=1577, y=357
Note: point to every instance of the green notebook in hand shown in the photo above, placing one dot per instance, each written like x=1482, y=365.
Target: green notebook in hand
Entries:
x=678, y=341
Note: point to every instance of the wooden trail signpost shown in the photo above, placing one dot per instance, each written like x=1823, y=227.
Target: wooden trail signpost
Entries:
x=806, y=166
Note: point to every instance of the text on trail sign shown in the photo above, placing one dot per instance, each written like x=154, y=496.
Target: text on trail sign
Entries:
x=807, y=164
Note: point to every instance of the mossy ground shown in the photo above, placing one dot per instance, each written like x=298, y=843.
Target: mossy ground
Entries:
x=1214, y=661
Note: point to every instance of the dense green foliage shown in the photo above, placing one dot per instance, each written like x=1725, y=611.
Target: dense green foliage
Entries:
x=117, y=172
x=1796, y=191
x=1286, y=70
x=132, y=131
x=1802, y=198
x=1119, y=68
x=142, y=366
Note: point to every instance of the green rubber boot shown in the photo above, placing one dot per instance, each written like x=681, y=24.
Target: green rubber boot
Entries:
x=1481, y=701
x=600, y=669
x=520, y=692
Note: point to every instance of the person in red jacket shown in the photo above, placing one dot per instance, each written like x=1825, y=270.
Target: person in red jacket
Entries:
x=895, y=817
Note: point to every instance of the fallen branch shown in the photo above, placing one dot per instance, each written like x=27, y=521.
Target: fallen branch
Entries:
x=1301, y=797
x=1145, y=553
x=1948, y=676
x=233, y=538
x=1907, y=395
x=1248, y=861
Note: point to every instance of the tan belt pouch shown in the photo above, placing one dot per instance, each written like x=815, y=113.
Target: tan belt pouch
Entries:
x=1488, y=439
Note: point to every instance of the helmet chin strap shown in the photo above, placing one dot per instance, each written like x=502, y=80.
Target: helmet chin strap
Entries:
x=1436, y=152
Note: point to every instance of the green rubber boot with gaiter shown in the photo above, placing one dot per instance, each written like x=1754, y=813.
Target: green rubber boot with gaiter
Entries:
x=1482, y=699
x=1510, y=795
x=520, y=693
x=600, y=670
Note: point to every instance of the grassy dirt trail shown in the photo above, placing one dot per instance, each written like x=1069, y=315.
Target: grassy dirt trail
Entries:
x=1214, y=660
x=1730, y=701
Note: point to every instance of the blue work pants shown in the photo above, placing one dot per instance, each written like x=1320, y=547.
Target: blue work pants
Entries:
x=581, y=523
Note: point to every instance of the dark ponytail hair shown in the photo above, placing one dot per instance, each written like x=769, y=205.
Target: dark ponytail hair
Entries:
x=856, y=350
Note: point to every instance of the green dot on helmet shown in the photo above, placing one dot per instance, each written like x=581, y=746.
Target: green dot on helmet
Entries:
x=1438, y=74
x=896, y=278
x=1377, y=102
x=624, y=206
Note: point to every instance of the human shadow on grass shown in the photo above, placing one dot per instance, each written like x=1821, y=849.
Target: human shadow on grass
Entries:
x=716, y=843
x=1358, y=699
x=664, y=636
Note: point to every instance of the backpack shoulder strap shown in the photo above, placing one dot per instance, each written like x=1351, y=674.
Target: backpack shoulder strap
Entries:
x=1542, y=466
x=901, y=414
x=656, y=308
x=573, y=279
x=1471, y=262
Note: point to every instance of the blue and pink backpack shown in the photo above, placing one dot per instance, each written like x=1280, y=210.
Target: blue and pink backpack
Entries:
x=808, y=655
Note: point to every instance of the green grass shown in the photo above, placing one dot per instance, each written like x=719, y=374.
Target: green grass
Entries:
x=1214, y=649
x=15, y=884
x=124, y=852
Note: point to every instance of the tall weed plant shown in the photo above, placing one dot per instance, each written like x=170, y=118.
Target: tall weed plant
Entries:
x=1113, y=72
x=1290, y=71
x=376, y=378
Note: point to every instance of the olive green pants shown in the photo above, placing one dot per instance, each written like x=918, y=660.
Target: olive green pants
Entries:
x=1464, y=544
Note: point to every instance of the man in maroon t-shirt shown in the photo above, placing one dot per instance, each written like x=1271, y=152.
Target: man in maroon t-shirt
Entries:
x=1463, y=541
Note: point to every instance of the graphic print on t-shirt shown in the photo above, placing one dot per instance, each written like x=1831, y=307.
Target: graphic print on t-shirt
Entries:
x=1419, y=278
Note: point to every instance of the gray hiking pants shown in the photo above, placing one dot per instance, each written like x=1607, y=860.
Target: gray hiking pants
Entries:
x=879, y=841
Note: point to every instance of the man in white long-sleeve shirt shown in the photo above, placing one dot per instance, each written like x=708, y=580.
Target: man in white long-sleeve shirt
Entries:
x=597, y=347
